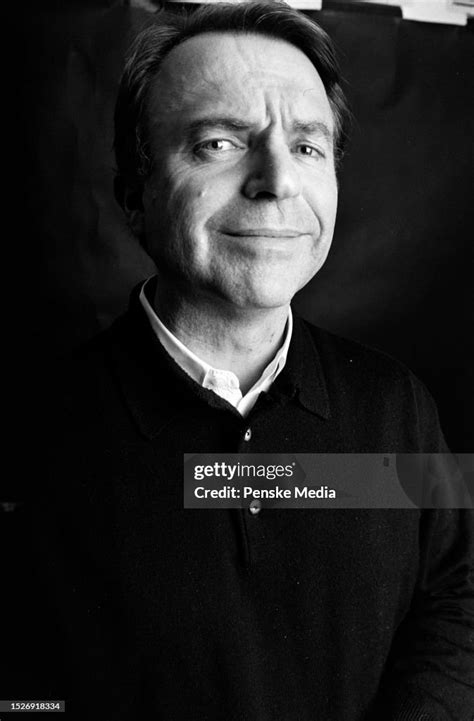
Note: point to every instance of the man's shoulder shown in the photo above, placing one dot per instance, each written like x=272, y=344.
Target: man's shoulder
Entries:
x=83, y=378
x=364, y=377
x=92, y=353
x=339, y=352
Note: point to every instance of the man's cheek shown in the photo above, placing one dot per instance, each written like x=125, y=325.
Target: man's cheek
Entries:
x=198, y=204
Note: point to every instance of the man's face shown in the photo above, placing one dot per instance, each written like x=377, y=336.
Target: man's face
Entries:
x=241, y=203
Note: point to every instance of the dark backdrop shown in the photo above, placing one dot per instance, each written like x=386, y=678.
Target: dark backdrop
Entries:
x=399, y=275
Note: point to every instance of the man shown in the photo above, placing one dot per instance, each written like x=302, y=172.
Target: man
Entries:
x=229, y=130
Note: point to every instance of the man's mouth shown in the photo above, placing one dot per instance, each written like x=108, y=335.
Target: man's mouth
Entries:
x=264, y=232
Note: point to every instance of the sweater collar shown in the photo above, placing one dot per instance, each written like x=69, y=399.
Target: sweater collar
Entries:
x=303, y=377
x=156, y=389
x=223, y=382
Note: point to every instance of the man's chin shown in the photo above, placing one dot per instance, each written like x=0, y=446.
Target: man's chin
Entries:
x=260, y=299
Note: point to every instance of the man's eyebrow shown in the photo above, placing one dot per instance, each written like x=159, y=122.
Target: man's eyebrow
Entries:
x=312, y=127
x=316, y=127
x=224, y=122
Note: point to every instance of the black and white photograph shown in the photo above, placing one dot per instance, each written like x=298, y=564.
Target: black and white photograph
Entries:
x=241, y=484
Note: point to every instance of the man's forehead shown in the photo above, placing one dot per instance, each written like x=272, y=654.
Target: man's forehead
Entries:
x=221, y=68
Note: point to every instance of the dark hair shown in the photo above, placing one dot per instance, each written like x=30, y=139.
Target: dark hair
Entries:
x=274, y=19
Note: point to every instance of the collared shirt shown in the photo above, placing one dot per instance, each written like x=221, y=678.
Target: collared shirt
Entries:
x=222, y=382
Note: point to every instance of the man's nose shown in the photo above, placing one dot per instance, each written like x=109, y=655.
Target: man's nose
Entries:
x=273, y=173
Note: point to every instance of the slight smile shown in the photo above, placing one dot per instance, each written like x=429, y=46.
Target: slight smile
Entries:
x=265, y=233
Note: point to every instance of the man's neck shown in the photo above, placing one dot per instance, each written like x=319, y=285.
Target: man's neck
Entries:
x=241, y=340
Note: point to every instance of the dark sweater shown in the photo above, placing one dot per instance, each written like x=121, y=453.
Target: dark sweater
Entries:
x=213, y=615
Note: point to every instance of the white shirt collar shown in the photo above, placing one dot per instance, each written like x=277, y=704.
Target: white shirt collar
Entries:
x=224, y=383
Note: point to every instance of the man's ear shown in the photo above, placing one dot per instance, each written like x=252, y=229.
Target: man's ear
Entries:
x=130, y=200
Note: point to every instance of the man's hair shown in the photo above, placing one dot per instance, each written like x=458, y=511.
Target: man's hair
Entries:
x=271, y=19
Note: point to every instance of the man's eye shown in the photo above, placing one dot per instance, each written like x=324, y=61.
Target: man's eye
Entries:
x=309, y=151
x=216, y=145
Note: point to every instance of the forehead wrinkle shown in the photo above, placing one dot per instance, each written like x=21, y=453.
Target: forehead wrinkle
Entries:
x=296, y=118
x=240, y=89
x=192, y=75
x=184, y=72
x=168, y=101
x=173, y=92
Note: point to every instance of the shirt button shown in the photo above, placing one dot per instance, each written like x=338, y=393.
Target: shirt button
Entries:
x=248, y=434
x=255, y=507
